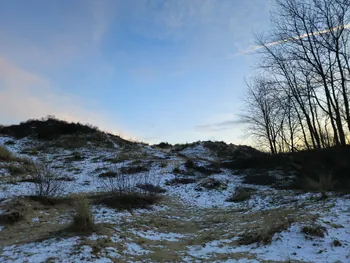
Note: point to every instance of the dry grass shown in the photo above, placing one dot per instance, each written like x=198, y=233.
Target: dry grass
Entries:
x=241, y=194
x=130, y=200
x=83, y=220
x=323, y=183
x=266, y=232
x=5, y=154
x=314, y=230
x=16, y=169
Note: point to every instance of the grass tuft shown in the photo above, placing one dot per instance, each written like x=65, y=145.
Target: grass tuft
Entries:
x=83, y=221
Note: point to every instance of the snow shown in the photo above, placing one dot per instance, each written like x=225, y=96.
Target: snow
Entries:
x=333, y=213
x=152, y=235
x=135, y=249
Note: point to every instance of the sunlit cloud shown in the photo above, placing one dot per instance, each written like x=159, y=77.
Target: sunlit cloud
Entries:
x=25, y=95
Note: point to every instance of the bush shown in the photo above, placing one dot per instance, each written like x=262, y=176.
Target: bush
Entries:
x=260, y=179
x=176, y=170
x=324, y=183
x=180, y=180
x=189, y=164
x=314, y=230
x=134, y=169
x=127, y=191
x=83, y=220
x=151, y=188
x=241, y=194
x=130, y=200
x=265, y=234
x=47, y=183
x=16, y=169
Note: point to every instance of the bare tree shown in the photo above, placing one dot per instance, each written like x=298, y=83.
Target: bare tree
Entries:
x=306, y=56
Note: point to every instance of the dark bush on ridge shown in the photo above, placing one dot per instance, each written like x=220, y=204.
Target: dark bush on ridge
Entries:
x=333, y=161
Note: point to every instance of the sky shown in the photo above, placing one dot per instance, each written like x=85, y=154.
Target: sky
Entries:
x=149, y=70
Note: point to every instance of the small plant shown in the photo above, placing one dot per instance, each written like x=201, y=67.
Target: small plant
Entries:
x=189, y=164
x=176, y=170
x=266, y=232
x=16, y=169
x=323, y=184
x=260, y=179
x=314, y=230
x=241, y=194
x=152, y=188
x=83, y=220
x=133, y=169
x=10, y=142
x=180, y=180
x=5, y=154
x=127, y=191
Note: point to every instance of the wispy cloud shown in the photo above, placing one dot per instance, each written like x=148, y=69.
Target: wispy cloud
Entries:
x=320, y=32
x=217, y=127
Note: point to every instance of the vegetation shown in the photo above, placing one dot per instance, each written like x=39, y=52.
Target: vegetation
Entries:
x=241, y=194
x=127, y=191
x=47, y=183
x=5, y=154
x=83, y=220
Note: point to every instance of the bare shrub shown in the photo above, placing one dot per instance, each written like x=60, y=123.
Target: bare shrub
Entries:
x=46, y=180
x=323, y=183
x=83, y=220
x=126, y=191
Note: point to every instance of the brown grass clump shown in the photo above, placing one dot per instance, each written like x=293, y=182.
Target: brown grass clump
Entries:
x=267, y=231
x=83, y=220
x=5, y=154
x=323, y=183
x=241, y=194
x=314, y=230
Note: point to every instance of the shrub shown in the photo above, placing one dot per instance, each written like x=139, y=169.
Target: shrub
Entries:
x=265, y=234
x=130, y=200
x=127, y=191
x=260, y=179
x=83, y=220
x=163, y=145
x=16, y=169
x=10, y=142
x=108, y=174
x=241, y=194
x=314, y=230
x=47, y=183
x=180, y=180
x=133, y=169
x=151, y=188
x=5, y=154
x=324, y=183
x=176, y=170
x=189, y=164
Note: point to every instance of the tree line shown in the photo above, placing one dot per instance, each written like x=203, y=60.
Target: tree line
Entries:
x=299, y=95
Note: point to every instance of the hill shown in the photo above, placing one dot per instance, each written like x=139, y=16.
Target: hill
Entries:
x=105, y=199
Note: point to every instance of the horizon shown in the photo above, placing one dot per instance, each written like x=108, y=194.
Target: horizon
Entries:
x=156, y=71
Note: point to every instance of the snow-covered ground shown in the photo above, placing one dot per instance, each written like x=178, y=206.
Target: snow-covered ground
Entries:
x=187, y=226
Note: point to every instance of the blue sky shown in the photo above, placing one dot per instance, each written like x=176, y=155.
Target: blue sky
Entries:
x=152, y=70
